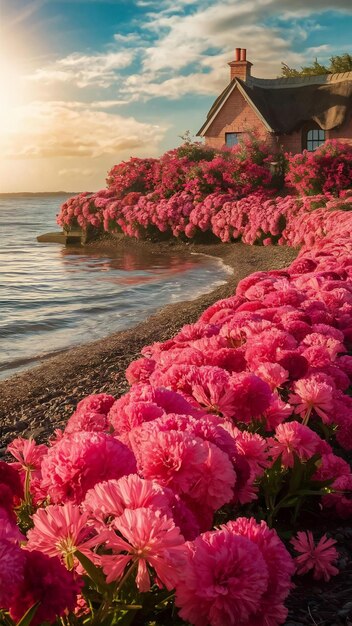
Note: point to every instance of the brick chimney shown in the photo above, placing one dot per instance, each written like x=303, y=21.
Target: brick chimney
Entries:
x=240, y=67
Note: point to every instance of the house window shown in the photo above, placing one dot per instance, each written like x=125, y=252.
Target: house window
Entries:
x=314, y=137
x=231, y=139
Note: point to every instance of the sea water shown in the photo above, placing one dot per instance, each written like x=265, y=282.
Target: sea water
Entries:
x=53, y=297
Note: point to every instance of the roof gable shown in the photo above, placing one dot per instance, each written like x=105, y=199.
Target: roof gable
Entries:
x=222, y=99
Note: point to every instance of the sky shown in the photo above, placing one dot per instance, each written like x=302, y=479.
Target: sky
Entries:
x=86, y=84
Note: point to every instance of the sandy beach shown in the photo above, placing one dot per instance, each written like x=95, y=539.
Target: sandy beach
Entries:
x=38, y=400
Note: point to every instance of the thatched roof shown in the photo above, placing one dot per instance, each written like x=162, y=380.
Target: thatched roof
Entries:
x=284, y=104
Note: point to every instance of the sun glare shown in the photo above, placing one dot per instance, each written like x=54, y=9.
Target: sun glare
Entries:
x=12, y=90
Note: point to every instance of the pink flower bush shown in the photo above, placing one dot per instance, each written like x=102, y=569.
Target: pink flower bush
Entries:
x=327, y=169
x=317, y=557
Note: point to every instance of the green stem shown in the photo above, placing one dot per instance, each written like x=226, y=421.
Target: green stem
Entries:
x=106, y=606
x=101, y=613
x=27, y=483
x=306, y=417
x=276, y=509
x=124, y=578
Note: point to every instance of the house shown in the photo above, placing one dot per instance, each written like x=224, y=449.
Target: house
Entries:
x=293, y=113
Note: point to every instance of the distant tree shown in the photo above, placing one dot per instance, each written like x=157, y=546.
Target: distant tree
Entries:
x=341, y=63
x=337, y=64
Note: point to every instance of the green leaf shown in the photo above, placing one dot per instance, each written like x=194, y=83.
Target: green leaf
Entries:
x=296, y=474
x=311, y=465
x=94, y=573
x=124, y=620
x=310, y=492
x=320, y=484
x=28, y=616
x=285, y=504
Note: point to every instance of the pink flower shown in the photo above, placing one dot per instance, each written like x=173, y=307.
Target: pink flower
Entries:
x=91, y=414
x=294, y=363
x=48, y=582
x=140, y=370
x=166, y=400
x=276, y=413
x=319, y=558
x=86, y=420
x=273, y=374
x=271, y=610
x=337, y=470
x=123, y=419
x=60, y=531
x=11, y=489
x=172, y=458
x=214, y=485
x=80, y=460
x=254, y=448
x=12, y=560
x=29, y=457
x=27, y=452
x=293, y=438
x=149, y=539
x=186, y=519
x=312, y=394
x=251, y=396
x=109, y=499
x=223, y=581
x=8, y=527
x=98, y=403
x=211, y=476
x=211, y=388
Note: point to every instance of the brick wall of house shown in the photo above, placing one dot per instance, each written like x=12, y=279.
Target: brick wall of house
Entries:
x=292, y=142
x=343, y=133
x=236, y=116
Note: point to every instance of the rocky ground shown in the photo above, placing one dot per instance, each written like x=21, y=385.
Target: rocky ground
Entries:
x=39, y=400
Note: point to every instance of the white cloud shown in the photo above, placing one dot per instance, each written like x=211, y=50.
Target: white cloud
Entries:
x=128, y=38
x=106, y=104
x=99, y=70
x=138, y=88
x=315, y=50
x=60, y=129
x=222, y=26
x=199, y=43
x=191, y=47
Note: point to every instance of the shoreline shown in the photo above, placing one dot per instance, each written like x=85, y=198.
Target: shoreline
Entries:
x=207, y=273
x=38, y=400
